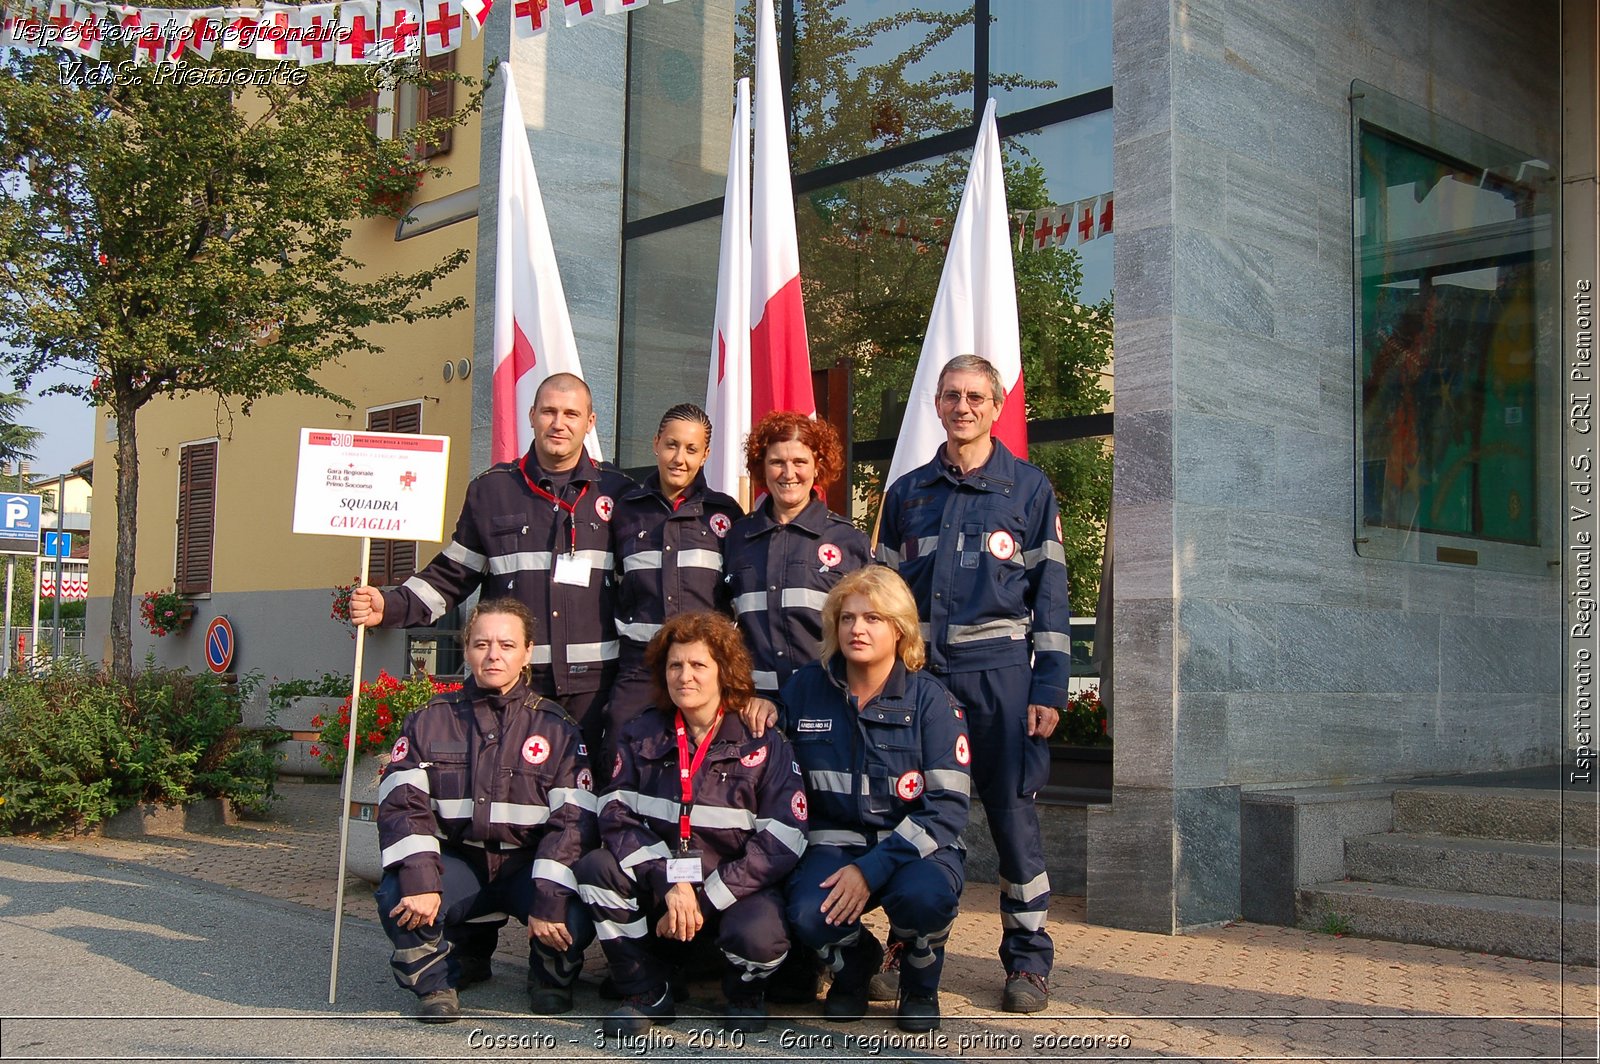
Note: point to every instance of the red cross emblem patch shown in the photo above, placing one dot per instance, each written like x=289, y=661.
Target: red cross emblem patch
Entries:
x=754, y=758
x=401, y=749
x=536, y=750
x=909, y=785
x=720, y=524
x=1059, y=536
x=829, y=555
x=407, y=479
x=586, y=779
x=603, y=506
x=963, y=750
x=797, y=806
x=1002, y=545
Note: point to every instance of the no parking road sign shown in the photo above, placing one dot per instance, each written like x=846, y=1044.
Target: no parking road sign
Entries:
x=20, y=523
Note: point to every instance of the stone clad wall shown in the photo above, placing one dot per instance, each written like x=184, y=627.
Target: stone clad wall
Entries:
x=1253, y=646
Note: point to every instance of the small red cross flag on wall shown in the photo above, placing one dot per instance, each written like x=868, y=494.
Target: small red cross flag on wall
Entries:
x=358, y=33
x=530, y=17
x=319, y=34
x=400, y=35
x=441, y=26
x=279, y=35
x=239, y=28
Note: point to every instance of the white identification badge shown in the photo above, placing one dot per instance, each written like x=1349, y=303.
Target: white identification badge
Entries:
x=571, y=569
x=683, y=869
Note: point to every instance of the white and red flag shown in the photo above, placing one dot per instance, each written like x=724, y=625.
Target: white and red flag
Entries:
x=400, y=32
x=974, y=313
x=530, y=17
x=240, y=25
x=441, y=26
x=728, y=383
x=620, y=7
x=279, y=35
x=319, y=34
x=154, y=36
x=358, y=33
x=578, y=10
x=1103, y=215
x=532, y=330
x=1044, y=228
x=89, y=30
x=477, y=12
x=780, y=359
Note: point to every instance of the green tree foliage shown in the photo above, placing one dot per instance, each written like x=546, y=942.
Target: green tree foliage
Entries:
x=164, y=238
x=17, y=440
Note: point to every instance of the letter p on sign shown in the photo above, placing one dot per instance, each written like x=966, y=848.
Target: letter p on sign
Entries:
x=16, y=512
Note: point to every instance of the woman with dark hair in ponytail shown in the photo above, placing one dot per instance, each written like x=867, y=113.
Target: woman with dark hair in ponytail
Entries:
x=669, y=534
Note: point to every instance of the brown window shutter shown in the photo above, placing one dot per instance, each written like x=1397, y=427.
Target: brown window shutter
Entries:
x=436, y=99
x=389, y=561
x=197, y=517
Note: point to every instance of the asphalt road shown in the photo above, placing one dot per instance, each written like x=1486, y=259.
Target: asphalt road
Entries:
x=101, y=960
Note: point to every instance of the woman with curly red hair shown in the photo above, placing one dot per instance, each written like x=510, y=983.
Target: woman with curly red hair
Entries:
x=783, y=559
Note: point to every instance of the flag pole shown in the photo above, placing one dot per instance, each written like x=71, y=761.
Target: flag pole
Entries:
x=349, y=769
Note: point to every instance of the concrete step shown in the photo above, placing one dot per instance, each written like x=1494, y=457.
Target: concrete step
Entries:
x=1479, y=866
x=1515, y=927
x=1522, y=815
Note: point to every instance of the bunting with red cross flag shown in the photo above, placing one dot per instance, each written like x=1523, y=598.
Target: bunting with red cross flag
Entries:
x=530, y=17
x=154, y=33
x=358, y=33
x=400, y=29
x=90, y=24
x=442, y=23
x=279, y=35
x=239, y=28
x=197, y=35
x=1102, y=215
x=477, y=12
x=578, y=10
x=1044, y=228
x=319, y=34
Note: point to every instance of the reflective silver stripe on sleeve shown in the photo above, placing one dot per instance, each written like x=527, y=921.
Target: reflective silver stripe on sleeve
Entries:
x=700, y=559
x=949, y=779
x=750, y=602
x=461, y=555
x=639, y=633
x=1033, y=888
x=721, y=816
x=889, y=556
x=453, y=808
x=647, y=804
x=765, y=681
x=717, y=892
x=656, y=851
x=1032, y=921
x=518, y=813
x=1051, y=551
x=917, y=836
x=560, y=796
x=606, y=651
x=803, y=598
x=839, y=838
x=927, y=545
x=521, y=562
x=1005, y=628
x=645, y=559
x=407, y=846
x=555, y=872
x=788, y=834
x=489, y=918
x=411, y=777
x=1056, y=642
x=830, y=781
x=437, y=606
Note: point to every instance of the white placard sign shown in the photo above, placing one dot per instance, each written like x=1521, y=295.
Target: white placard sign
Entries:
x=382, y=485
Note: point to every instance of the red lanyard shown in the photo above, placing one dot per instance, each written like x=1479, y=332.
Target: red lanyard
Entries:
x=570, y=507
x=686, y=770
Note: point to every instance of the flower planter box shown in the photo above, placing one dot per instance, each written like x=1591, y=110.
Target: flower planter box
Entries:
x=151, y=818
x=1080, y=773
x=297, y=759
x=363, y=858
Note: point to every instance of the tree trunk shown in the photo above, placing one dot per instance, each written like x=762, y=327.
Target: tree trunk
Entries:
x=125, y=410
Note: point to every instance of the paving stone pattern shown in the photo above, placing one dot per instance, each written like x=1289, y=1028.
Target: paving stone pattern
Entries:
x=1232, y=992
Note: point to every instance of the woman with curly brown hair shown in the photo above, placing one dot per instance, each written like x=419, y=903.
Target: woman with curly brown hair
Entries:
x=701, y=824
x=783, y=559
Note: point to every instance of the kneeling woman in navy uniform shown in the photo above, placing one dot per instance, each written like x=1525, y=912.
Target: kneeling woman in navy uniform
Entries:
x=884, y=751
x=485, y=806
x=700, y=825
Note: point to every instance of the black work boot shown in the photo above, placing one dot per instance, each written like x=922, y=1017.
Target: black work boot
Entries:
x=640, y=1012
x=847, y=998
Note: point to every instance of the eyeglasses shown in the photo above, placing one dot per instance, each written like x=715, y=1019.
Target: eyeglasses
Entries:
x=974, y=399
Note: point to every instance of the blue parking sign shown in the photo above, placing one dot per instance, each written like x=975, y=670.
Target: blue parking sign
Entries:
x=57, y=544
x=20, y=523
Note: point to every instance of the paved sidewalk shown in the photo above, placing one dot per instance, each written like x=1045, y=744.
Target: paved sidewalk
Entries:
x=1241, y=991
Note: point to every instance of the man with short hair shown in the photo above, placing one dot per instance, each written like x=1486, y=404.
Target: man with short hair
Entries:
x=537, y=530
x=977, y=536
